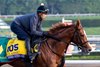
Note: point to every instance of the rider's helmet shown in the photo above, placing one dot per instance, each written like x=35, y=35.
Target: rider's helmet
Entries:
x=42, y=9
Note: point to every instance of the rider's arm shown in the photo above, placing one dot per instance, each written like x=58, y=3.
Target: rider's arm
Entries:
x=40, y=27
x=33, y=26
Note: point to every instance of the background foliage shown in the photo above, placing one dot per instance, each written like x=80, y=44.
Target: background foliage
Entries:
x=55, y=6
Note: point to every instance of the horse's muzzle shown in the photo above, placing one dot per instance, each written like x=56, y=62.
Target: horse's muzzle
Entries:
x=85, y=51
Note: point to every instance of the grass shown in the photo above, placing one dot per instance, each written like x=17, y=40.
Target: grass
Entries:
x=89, y=30
x=92, y=56
x=92, y=30
x=79, y=57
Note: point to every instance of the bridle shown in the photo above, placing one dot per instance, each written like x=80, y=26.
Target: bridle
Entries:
x=80, y=45
x=67, y=44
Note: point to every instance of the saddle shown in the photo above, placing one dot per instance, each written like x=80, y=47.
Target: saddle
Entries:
x=17, y=49
x=14, y=48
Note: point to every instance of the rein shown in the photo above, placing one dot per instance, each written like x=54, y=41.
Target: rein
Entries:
x=67, y=44
x=55, y=38
x=76, y=33
x=59, y=40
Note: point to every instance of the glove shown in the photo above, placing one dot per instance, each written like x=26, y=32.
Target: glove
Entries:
x=45, y=33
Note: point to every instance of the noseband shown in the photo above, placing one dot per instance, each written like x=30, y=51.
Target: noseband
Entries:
x=80, y=45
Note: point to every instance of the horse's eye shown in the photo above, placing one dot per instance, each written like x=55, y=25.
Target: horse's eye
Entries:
x=82, y=34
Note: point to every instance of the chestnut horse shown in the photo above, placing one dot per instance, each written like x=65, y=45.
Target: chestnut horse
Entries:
x=52, y=50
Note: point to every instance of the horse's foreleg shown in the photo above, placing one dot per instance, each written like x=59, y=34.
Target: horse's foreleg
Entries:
x=53, y=65
x=64, y=65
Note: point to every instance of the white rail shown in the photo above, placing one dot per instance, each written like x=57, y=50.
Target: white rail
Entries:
x=90, y=14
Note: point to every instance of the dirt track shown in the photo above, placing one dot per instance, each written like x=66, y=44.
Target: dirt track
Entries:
x=83, y=63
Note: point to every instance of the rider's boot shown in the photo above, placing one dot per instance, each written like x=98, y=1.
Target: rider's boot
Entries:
x=29, y=52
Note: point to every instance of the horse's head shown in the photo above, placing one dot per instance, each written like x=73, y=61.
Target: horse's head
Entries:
x=72, y=33
x=80, y=38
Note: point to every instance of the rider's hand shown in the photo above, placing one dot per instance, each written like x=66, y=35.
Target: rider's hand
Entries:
x=45, y=33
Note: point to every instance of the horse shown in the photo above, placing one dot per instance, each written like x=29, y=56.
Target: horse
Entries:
x=52, y=50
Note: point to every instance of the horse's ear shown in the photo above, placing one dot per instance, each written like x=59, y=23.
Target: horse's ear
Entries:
x=78, y=23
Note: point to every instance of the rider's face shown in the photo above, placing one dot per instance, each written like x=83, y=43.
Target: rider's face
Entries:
x=43, y=16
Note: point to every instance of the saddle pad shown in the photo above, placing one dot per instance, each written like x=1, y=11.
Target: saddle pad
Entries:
x=15, y=48
x=3, y=44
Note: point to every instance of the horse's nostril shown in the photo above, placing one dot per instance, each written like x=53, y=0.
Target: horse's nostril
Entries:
x=89, y=49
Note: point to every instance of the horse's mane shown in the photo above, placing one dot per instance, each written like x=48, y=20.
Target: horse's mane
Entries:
x=60, y=25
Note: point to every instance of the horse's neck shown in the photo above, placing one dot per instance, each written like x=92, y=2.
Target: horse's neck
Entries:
x=56, y=47
x=60, y=47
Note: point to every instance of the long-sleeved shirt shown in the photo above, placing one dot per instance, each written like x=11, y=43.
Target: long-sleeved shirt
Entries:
x=30, y=24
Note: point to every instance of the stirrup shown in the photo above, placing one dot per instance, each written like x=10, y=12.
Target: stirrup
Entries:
x=32, y=57
x=36, y=48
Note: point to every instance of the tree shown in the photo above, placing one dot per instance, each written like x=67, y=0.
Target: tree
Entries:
x=55, y=6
